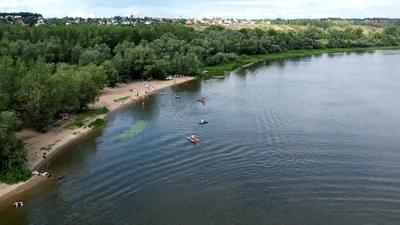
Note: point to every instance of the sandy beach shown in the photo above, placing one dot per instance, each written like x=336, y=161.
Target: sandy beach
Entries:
x=59, y=136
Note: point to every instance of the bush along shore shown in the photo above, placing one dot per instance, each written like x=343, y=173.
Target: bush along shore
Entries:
x=220, y=69
x=47, y=72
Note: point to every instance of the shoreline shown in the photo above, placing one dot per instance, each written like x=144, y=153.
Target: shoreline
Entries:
x=247, y=61
x=59, y=137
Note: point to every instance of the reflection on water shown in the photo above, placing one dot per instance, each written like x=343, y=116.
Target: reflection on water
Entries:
x=311, y=140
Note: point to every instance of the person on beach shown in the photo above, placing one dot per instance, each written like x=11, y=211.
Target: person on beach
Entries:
x=44, y=155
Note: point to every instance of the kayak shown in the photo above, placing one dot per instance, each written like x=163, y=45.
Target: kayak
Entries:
x=193, y=140
x=203, y=122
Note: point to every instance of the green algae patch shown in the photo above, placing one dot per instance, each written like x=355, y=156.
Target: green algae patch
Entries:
x=136, y=129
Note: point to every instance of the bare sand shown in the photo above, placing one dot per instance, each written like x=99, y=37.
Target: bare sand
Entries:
x=60, y=136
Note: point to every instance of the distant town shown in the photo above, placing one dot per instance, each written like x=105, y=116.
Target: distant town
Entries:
x=34, y=19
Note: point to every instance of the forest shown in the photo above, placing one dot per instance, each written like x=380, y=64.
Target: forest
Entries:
x=48, y=71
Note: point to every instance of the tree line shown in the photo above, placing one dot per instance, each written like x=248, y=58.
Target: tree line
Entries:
x=22, y=14
x=337, y=22
x=47, y=71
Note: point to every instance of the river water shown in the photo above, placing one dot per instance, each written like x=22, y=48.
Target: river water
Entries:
x=310, y=140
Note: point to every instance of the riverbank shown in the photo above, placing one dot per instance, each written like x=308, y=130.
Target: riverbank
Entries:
x=58, y=137
x=289, y=54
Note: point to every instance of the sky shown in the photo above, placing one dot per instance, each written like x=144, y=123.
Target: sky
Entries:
x=246, y=9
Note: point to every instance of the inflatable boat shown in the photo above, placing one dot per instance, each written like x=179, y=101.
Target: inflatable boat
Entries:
x=177, y=96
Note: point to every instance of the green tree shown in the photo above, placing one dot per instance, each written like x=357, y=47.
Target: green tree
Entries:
x=90, y=80
x=140, y=57
x=111, y=73
x=76, y=53
x=39, y=96
x=30, y=20
x=67, y=85
x=90, y=56
x=4, y=102
x=358, y=32
x=13, y=154
x=158, y=70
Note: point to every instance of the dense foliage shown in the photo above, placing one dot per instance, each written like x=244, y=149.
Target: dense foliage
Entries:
x=12, y=150
x=47, y=71
x=22, y=14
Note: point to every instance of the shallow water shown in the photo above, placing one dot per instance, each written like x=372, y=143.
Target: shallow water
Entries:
x=311, y=140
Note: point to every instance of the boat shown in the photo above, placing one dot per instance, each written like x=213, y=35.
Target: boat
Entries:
x=193, y=139
x=163, y=93
x=203, y=122
x=177, y=96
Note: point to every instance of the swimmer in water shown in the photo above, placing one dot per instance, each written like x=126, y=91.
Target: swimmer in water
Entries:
x=18, y=204
x=45, y=174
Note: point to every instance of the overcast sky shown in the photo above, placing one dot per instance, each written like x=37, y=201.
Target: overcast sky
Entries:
x=250, y=9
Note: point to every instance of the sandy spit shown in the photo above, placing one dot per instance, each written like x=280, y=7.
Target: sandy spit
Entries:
x=60, y=136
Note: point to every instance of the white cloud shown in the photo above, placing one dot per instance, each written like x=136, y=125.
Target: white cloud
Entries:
x=77, y=13
x=132, y=11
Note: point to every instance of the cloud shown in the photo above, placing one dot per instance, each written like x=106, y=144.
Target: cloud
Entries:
x=131, y=11
x=207, y=8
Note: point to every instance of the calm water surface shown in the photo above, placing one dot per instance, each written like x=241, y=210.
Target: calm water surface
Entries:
x=311, y=140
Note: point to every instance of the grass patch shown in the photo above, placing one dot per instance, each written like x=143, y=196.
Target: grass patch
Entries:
x=47, y=148
x=136, y=129
x=77, y=123
x=122, y=99
x=97, y=123
x=93, y=112
x=219, y=69
x=15, y=175
x=80, y=121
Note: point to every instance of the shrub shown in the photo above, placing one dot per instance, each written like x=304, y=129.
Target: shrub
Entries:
x=97, y=123
x=15, y=175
